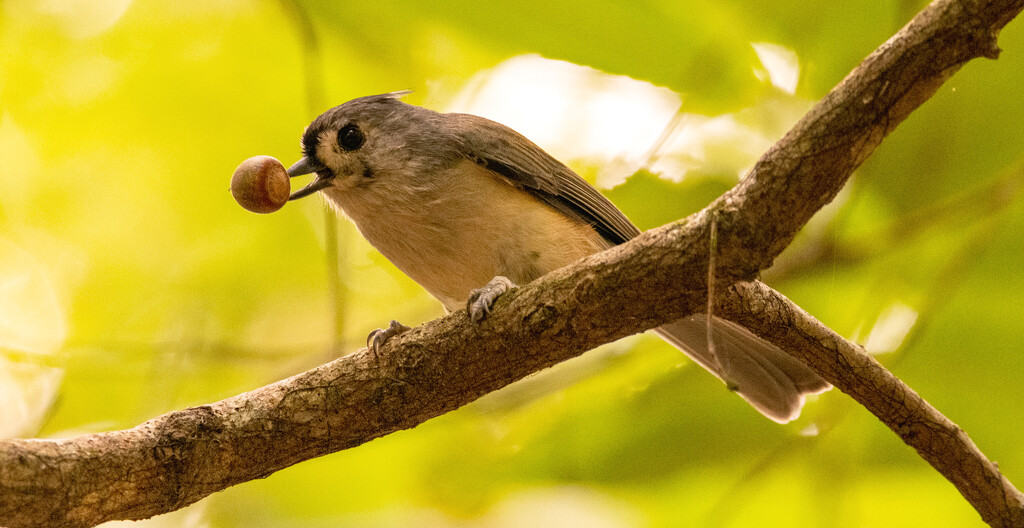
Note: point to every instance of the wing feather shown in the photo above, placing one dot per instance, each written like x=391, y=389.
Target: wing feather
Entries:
x=508, y=153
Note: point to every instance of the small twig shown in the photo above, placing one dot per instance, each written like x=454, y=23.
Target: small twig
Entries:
x=712, y=250
x=312, y=69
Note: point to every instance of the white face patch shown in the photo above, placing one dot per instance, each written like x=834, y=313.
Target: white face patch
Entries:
x=327, y=145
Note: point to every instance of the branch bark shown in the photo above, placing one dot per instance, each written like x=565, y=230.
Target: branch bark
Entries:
x=183, y=456
x=844, y=364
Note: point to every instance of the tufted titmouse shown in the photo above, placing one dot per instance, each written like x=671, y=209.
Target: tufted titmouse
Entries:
x=466, y=207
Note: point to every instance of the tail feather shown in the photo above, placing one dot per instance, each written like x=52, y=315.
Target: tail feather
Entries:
x=772, y=381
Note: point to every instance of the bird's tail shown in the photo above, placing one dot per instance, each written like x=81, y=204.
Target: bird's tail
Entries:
x=769, y=379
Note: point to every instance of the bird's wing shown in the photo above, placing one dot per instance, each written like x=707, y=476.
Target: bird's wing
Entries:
x=507, y=153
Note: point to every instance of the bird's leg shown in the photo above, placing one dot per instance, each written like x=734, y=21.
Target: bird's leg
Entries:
x=481, y=299
x=377, y=338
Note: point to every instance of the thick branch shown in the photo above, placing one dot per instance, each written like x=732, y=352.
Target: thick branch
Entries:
x=181, y=457
x=808, y=167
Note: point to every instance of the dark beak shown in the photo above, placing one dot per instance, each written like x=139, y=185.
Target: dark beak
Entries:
x=309, y=165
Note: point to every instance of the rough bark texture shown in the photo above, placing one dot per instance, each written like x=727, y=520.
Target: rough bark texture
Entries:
x=936, y=438
x=181, y=457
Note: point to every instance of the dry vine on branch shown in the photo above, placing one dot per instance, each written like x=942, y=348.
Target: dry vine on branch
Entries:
x=179, y=458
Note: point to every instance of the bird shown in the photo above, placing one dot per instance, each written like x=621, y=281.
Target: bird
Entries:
x=468, y=208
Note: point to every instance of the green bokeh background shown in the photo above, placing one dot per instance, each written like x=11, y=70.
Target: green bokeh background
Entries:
x=121, y=122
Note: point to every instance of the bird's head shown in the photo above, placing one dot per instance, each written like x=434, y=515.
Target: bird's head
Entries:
x=369, y=140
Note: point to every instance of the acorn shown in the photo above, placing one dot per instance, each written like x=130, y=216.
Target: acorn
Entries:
x=260, y=184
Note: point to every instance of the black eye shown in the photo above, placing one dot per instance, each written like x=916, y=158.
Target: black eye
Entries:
x=350, y=137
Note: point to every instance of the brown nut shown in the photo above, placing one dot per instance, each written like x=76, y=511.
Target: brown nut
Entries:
x=260, y=184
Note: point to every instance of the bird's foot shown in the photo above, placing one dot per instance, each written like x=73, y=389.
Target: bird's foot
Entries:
x=377, y=338
x=481, y=299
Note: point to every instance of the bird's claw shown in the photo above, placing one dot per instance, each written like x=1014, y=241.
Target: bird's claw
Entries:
x=377, y=337
x=481, y=299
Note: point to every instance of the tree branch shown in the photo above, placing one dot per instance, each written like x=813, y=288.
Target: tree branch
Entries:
x=183, y=456
x=936, y=438
x=811, y=163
